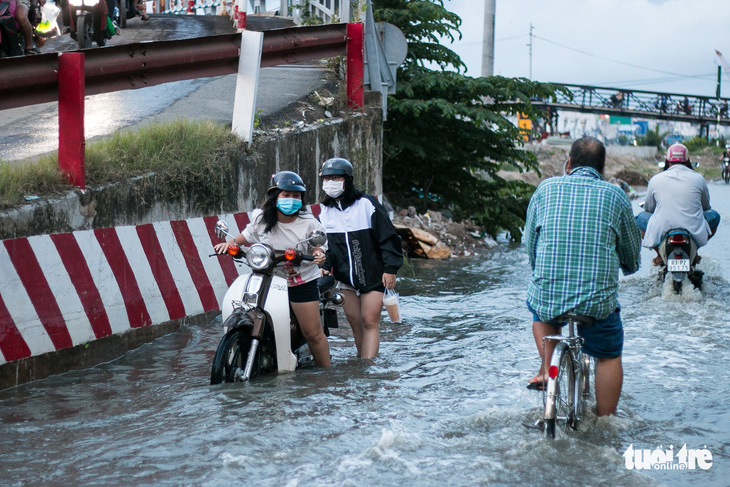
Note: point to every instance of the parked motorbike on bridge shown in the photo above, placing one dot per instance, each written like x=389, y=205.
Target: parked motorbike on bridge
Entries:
x=261, y=333
x=88, y=21
x=125, y=10
x=726, y=169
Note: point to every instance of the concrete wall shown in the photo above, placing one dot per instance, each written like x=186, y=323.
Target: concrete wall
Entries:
x=86, y=277
x=650, y=153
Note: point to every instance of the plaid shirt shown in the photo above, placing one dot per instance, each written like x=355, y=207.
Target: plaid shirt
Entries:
x=579, y=231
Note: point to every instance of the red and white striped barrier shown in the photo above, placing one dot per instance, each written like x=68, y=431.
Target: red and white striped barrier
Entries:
x=63, y=290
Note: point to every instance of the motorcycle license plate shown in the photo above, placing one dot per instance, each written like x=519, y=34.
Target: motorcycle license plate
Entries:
x=678, y=265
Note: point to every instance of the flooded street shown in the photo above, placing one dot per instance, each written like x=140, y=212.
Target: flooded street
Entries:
x=443, y=403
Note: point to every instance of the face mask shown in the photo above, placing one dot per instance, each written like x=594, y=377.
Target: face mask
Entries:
x=288, y=206
x=333, y=188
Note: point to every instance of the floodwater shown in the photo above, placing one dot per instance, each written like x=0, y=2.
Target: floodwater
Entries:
x=443, y=404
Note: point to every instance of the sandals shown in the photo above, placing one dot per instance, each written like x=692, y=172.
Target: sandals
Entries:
x=31, y=51
x=536, y=385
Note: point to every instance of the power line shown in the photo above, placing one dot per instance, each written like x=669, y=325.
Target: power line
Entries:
x=510, y=38
x=645, y=81
x=615, y=61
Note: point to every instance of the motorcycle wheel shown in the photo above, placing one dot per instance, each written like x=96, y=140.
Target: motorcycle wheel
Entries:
x=84, y=31
x=726, y=176
x=677, y=286
x=123, y=14
x=230, y=358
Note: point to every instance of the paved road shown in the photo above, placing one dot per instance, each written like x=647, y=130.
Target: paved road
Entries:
x=30, y=131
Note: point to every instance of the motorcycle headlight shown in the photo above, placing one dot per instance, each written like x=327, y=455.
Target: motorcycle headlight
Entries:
x=259, y=257
x=90, y=3
x=76, y=3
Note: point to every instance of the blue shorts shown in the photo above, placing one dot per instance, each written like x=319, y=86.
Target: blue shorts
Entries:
x=605, y=339
x=712, y=217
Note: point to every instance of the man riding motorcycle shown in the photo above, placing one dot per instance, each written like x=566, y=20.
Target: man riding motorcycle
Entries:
x=678, y=197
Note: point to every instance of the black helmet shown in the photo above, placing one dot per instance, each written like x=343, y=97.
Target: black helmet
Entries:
x=287, y=181
x=336, y=166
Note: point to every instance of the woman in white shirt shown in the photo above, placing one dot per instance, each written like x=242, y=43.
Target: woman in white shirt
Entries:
x=282, y=223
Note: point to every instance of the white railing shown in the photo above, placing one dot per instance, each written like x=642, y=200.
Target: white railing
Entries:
x=328, y=11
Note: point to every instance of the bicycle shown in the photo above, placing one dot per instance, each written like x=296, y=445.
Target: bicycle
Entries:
x=568, y=385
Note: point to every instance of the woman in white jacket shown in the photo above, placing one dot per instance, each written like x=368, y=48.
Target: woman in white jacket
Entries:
x=364, y=252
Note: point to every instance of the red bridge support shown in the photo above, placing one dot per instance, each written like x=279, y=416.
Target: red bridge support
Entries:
x=355, y=65
x=71, y=142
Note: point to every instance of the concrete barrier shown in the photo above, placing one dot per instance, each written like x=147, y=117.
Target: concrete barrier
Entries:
x=62, y=292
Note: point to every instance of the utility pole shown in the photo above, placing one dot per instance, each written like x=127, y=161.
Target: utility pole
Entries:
x=530, y=44
x=488, y=41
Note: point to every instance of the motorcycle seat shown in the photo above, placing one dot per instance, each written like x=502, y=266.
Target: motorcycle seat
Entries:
x=326, y=283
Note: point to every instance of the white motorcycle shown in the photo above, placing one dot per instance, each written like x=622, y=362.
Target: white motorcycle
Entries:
x=261, y=333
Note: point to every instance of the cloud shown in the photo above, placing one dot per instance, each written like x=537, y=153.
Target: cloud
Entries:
x=674, y=36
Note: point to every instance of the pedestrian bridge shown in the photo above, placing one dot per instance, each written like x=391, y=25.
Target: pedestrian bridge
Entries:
x=702, y=110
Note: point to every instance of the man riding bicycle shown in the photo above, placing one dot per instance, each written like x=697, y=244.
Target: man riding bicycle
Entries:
x=579, y=231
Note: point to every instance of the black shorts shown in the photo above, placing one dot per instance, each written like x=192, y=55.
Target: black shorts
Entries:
x=304, y=293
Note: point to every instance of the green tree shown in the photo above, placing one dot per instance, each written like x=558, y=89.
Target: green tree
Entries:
x=447, y=134
x=652, y=138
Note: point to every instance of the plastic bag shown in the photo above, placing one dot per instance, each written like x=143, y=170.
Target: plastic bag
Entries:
x=48, y=26
x=392, y=305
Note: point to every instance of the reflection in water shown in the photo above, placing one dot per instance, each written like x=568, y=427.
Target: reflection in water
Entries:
x=443, y=404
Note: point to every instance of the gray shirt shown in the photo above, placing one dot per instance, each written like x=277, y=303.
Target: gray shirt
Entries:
x=677, y=198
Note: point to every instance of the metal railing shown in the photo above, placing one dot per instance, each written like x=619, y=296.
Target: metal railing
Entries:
x=29, y=80
x=645, y=104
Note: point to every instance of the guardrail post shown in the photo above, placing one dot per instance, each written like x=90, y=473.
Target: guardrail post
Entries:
x=247, y=84
x=71, y=143
x=355, y=65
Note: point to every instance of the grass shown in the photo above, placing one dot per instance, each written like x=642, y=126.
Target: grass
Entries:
x=181, y=153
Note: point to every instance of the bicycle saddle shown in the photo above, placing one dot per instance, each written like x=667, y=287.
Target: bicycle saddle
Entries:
x=582, y=320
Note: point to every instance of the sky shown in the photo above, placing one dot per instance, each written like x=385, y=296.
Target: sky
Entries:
x=652, y=45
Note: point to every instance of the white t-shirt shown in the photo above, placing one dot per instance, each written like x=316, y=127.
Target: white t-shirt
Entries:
x=677, y=198
x=285, y=236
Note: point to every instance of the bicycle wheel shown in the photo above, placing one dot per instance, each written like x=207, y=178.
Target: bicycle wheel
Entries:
x=230, y=358
x=560, y=395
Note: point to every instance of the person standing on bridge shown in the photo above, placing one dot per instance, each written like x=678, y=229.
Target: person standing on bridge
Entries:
x=579, y=231
x=364, y=251
x=282, y=223
x=25, y=12
x=677, y=197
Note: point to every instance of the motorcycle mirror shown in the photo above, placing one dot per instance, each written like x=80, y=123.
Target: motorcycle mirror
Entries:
x=695, y=164
x=221, y=228
x=641, y=205
x=317, y=238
